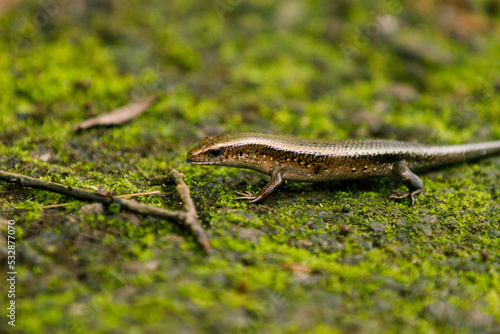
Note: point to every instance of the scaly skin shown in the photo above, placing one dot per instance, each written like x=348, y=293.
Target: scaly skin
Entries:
x=319, y=160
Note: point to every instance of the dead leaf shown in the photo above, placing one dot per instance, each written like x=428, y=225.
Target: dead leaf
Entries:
x=151, y=265
x=4, y=221
x=46, y=157
x=4, y=5
x=106, y=193
x=117, y=116
x=296, y=267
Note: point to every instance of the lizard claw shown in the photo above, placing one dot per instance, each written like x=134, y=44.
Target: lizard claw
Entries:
x=397, y=194
x=245, y=196
x=402, y=194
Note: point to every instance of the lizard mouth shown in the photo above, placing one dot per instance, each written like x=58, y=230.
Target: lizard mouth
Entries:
x=200, y=162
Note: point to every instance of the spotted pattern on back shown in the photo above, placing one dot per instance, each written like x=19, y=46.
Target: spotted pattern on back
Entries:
x=303, y=159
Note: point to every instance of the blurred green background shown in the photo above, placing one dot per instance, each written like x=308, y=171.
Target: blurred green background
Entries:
x=424, y=71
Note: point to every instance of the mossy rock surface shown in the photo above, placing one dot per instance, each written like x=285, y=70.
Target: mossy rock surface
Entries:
x=311, y=258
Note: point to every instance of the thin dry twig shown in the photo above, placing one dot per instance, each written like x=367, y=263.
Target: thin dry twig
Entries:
x=188, y=205
x=155, y=192
x=183, y=191
x=117, y=116
x=185, y=218
x=56, y=206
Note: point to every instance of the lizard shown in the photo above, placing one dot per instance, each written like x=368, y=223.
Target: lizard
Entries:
x=323, y=160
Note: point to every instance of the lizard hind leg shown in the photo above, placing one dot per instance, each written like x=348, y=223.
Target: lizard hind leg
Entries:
x=402, y=172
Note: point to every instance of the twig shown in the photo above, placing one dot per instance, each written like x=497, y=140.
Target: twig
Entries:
x=56, y=206
x=13, y=210
x=189, y=208
x=183, y=190
x=140, y=194
x=183, y=218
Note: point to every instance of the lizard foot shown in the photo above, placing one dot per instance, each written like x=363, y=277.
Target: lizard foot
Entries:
x=405, y=194
x=246, y=196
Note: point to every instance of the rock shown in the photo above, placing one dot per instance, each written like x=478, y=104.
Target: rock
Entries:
x=344, y=229
x=441, y=311
x=346, y=208
x=377, y=227
x=250, y=234
x=94, y=208
x=415, y=46
x=402, y=92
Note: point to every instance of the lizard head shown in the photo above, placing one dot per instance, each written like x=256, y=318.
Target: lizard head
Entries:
x=210, y=151
x=231, y=149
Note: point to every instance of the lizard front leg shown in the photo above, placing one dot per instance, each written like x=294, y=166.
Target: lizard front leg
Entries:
x=273, y=184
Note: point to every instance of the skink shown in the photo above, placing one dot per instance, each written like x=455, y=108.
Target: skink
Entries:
x=319, y=160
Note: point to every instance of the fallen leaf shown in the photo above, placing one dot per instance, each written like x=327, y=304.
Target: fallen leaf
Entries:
x=296, y=267
x=117, y=116
x=45, y=157
x=106, y=193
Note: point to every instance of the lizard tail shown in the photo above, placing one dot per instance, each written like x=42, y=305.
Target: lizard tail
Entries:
x=442, y=155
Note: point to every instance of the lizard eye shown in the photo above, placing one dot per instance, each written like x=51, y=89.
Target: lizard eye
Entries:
x=214, y=153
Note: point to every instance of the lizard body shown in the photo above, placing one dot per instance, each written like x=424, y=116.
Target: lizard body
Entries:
x=322, y=160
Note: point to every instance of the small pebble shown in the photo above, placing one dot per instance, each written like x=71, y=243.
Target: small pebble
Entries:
x=344, y=229
x=346, y=208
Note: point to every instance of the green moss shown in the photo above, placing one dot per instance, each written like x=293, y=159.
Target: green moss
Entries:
x=285, y=265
